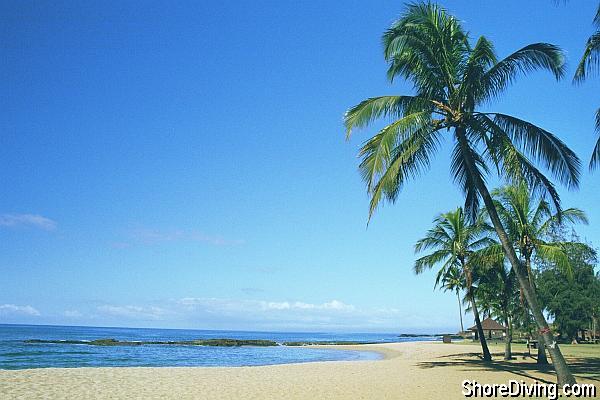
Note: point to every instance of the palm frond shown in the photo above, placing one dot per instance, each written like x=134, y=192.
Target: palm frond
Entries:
x=375, y=108
x=595, y=160
x=424, y=46
x=482, y=57
x=527, y=59
x=590, y=60
x=409, y=159
x=429, y=261
x=542, y=146
x=570, y=215
x=466, y=179
x=555, y=255
x=377, y=151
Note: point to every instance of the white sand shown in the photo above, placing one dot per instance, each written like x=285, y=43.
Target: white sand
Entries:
x=409, y=371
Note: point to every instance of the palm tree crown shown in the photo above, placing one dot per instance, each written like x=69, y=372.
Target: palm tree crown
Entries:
x=451, y=79
x=452, y=240
x=529, y=222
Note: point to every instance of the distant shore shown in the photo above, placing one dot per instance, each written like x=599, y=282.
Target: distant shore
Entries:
x=409, y=370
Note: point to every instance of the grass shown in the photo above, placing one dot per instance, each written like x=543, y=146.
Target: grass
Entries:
x=583, y=359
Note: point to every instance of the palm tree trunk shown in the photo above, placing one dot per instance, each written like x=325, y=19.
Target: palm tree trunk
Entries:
x=541, y=348
x=560, y=365
x=462, y=328
x=508, y=339
x=508, y=333
x=486, y=352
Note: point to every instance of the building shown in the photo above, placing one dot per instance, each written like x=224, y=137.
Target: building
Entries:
x=491, y=329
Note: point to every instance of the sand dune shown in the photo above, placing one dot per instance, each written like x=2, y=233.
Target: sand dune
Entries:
x=409, y=371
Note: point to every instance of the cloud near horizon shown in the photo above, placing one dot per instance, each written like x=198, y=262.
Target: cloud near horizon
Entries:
x=240, y=314
x=27, y=220
x=133, y=312
x=12, y=309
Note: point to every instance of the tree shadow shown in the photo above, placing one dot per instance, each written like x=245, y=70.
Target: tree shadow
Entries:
x=583, y=367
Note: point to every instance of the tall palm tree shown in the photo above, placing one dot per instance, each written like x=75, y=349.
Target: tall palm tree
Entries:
x=590, y=61
x=453, y=280
x=451, y=79
x=529, y=222
x=453, y=241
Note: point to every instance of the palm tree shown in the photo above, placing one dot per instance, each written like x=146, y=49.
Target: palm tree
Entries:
x=451, y=79
x=453, y=280
x=453, y=241
x=497, y=290
x=589, y=61
x=528, y=222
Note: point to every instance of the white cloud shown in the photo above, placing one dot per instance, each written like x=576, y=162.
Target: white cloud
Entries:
x=227, y=313
x=134, y=312
x=272, y=314
x=15, y=309
x=298, y=305
x=31, y=220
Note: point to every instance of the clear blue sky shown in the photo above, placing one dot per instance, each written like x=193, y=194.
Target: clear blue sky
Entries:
x=185, y=165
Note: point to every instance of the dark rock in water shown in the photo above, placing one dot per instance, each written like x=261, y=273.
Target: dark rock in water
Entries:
x=199, y=342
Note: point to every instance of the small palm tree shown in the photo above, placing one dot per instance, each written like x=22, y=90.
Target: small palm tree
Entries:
x=453, y=78
x=497, y=290
x=590, y=61
x=453, y=241
x=453, y=280
x=528, y=223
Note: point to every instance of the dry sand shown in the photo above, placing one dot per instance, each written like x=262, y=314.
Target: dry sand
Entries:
x=408, y=371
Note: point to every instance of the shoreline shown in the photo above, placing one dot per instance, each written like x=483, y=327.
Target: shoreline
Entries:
x=407, y=370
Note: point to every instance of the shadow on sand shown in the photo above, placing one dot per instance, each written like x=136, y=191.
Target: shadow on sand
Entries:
x=587, y=367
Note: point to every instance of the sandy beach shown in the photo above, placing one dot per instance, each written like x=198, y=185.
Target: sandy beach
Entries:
x=408, y=371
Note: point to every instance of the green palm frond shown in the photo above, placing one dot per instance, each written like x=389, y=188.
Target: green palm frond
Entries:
x=555, y=255
x=590, y=60
x=375, y=108
x=482, y=57
x=409, y=159
x=466, y=179
x=490, y=255
x=543, y=146
x=596, y=153
x=377, y=151
x=425, y=45
x=430, y=260
x=570, y=215
x=527, y=59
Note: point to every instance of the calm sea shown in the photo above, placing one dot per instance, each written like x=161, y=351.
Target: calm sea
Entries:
x=15, y=354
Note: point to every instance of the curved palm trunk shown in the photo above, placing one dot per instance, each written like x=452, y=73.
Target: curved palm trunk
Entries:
x=560, y=365
x=486, y=351
x=462, y=328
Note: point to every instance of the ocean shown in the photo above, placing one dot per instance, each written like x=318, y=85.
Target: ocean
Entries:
x=16, y=354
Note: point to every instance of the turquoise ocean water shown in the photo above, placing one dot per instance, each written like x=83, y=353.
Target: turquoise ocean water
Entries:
x=15, y=354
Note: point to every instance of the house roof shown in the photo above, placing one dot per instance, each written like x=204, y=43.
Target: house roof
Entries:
x=489, y=324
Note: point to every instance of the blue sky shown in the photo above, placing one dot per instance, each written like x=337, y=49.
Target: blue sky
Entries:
x=185, y=165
